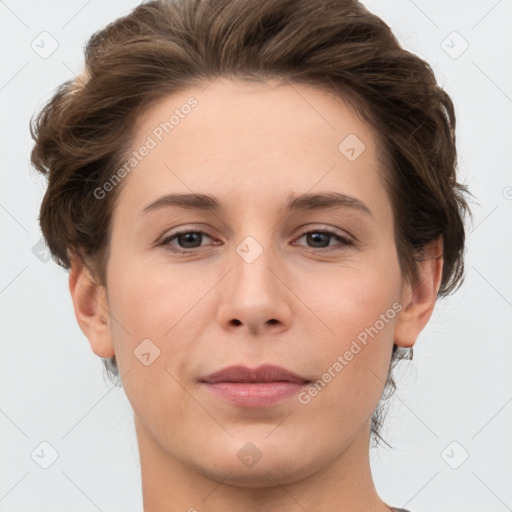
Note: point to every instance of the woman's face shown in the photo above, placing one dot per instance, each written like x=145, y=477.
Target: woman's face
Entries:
x=254, y=282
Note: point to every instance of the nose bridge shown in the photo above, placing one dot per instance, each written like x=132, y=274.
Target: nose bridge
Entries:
x=253, y=295
x=255, y=252
x=252, y=261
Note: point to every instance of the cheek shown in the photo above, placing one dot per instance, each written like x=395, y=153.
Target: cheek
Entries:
x=150, y=301
x=357, y=308
x=158, y=316
x=151, y=334
x=360, y=310
x=353, y=298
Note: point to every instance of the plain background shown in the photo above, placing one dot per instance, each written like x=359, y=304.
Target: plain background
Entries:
x=450, y=421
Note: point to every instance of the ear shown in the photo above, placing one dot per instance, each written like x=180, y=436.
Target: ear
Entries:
x=418, y=299
x=91, y=308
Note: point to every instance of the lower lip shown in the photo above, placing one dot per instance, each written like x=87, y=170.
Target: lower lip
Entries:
x=261, y=394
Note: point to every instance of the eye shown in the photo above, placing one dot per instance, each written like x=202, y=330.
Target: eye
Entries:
x=187, y=240
x=319, y=238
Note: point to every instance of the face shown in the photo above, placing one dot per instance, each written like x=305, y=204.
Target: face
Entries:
x=267, y=277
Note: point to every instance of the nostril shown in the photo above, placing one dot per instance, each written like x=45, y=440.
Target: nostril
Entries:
x=236, y=322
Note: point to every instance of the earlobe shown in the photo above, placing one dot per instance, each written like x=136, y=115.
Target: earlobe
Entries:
x=91, y=308
x=418, y=299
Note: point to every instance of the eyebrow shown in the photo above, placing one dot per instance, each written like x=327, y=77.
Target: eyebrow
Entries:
x=302, y=202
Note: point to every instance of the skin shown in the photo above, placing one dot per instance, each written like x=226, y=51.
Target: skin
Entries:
x=252, y=146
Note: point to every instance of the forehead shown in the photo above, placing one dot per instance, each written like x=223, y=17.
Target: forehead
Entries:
x=253, y=141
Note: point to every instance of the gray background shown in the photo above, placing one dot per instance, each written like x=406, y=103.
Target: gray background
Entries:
x=451, y=419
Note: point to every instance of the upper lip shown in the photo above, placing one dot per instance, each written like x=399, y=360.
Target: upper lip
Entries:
x=264, y=373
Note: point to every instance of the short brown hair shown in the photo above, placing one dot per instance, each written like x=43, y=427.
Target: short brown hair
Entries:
x=162, y=47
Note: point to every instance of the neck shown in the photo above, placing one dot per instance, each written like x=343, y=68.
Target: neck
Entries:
x=170, y=485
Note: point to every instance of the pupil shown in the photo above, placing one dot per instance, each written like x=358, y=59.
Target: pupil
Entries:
x=189, y=237
x=317, y=237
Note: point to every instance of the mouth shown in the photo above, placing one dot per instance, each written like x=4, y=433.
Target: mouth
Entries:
x=260, y=387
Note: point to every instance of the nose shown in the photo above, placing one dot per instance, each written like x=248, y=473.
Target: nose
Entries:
x=255, y=295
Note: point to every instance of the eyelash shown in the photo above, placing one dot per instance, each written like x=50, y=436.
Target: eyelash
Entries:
x=345, y=242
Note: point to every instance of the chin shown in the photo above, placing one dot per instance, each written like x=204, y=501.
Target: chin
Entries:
x=259, y=464
x=269, y=473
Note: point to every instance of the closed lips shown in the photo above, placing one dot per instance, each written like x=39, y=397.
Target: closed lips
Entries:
x=262, y=374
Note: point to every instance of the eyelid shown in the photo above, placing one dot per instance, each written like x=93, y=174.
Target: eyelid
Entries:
x=327, y=229
x=165, y=239
x=310, y=228
x=184, y=229
x=345, y=239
